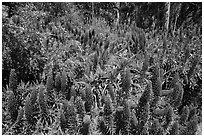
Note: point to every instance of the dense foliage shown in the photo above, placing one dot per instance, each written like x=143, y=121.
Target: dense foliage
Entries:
x=101, y=68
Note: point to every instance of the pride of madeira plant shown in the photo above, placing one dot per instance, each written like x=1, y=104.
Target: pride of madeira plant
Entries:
x=70, y=71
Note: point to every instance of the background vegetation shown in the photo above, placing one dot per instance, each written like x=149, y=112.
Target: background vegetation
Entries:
x=101, y=68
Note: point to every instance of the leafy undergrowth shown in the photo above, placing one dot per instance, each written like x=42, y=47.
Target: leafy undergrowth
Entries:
x=102, y=81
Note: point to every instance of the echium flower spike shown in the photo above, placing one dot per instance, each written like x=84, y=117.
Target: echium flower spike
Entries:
x=79, y=105
x=142, y=115
x=42, y=101
x=64, y=81
x=175, y=94
x=63, y=122
x=108, y=106
x=146, y=96
x=95, y=62
x=118, y=120
x=145, y=63
x=12, y=106
x=142, y=40
x=58, y=82
x=50, y=82
x=20, y=115
x=89, y=98
x=174, y=80
x=156, y=84
x=156, y=81
x=73, y=92
x=184, y=115
x=194, y=63
x=126, y=118
x=33, y=96
x=169, y=117
x=177, y=102
x=108, y=112
x=28, y=109
x=126, y=82
x=13, y=81
x=80, y=110
x=70, y=116
x=111, y=91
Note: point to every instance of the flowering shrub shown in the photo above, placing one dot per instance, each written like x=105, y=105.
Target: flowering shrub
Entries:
x=96, y=79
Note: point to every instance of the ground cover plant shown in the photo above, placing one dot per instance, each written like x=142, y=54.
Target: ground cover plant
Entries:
x=101, y=68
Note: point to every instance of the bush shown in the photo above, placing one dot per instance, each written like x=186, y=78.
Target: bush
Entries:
x=86, y=74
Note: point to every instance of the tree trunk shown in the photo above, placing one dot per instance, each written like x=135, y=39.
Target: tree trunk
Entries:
x=118, y=13
x=167, y=9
